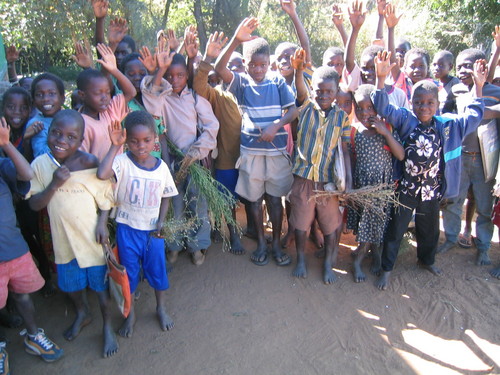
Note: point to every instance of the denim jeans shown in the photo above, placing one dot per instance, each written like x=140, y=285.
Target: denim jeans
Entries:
x=472, y=174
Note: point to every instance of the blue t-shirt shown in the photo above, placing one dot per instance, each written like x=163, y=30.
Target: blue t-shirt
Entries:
x=261, y=103
x=39, y=141
x=12, y=244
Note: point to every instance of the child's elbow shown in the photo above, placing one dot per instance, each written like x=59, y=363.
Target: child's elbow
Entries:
x=26, y=175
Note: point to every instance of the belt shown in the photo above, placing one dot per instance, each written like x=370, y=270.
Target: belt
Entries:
x=471, y=153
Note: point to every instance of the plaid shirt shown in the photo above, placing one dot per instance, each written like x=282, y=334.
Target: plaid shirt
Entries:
x=317, y=141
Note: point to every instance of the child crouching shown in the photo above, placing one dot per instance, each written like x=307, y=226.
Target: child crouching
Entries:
x=143, y=185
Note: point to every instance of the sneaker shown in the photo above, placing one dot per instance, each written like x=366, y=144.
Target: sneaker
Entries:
x=42, y=346
x=4, y=360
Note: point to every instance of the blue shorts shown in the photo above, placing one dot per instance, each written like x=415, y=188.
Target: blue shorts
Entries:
x=136, y=247
x=228, y=178
x=72, y=278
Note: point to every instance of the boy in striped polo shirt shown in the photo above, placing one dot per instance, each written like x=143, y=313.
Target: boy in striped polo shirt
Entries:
x=321, y=123
x=264, y=166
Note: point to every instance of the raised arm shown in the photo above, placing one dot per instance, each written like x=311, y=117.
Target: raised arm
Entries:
x=148, y=60
x=338, y=22
x=100, y=8
x=495, y=54
x=83, y=55
x=23, y=168
x=108, y=62
x=164, y=58
x=298, y=63
x=479, y=74
x=290, y=8
x=117, y=30
x=192, y=47
x=12, y=55
x=357, y=18
x=379, y=34
x=118, y=137
x=392, y=20
x=243, y=34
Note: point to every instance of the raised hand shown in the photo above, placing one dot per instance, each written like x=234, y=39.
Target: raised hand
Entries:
x=33, y=129
x=480, y=72
x=191, y=42
x=297, y=60
x=83, y=54
x=383, y=64
x=496, y=36
x=381, y=4
x=379, y=125
x=108, y=59
x=100, y=8
x=163, y=55
x=11, y=54
x=147, y=59
x=117, y=134
x=390, y=16
x=4, y=132
x=245, y=30
x=337, y=13
x=288, y=6
x=117, y=30
x=172, y=39
x=356, y=15
x=216, y=43
x=60, y=176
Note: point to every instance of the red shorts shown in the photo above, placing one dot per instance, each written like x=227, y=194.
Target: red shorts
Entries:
x=20, y=276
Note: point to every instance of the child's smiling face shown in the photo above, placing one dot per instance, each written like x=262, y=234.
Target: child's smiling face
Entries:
x=367, y=67
x=425, y=105
x=257, y=67
x=65, y=138
x=465, y=66
x=324, y=93
x=47, y=98
x=364, y=110
x=283, y=61
x=16, y=110
x=141, y=141
x=335, y=61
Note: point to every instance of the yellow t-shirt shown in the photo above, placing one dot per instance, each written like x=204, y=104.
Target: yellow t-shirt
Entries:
x=73, y=212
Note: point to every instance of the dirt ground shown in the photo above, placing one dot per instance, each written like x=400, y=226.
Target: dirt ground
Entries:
x=232, y=317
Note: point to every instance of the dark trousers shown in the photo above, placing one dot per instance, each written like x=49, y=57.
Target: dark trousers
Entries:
x=426, y=226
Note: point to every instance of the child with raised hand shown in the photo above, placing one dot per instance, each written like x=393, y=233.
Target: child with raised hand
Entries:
x=442, y=64
x=321, y=123
x=228, y=138
x=99, y=108
x=47, y=92
x=373, y=146
x=143, y=186
x=18, y=273
x=192, y=127
x=267, y=105
x=78, y=204
x=429, y=142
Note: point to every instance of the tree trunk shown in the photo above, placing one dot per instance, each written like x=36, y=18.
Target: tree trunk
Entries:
x=202, y=33
x=165, y=14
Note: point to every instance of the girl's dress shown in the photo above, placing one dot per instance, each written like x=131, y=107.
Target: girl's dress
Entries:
x=373, y=166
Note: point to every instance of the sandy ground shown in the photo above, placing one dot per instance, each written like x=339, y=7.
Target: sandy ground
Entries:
x=232, y=317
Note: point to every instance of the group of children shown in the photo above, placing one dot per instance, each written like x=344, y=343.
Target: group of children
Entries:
x=288, y=133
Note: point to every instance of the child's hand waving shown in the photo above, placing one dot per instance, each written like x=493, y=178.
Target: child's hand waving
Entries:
x=297, y=60
x=4, y=132
x=147, y=59
x=172, y=39
x=337, y=18
x=163, y=54
x=108, y=59
x=216, y=43
x=191, y=42
x=117, y=29
x=11, y=54
x=245, y=30
x=496, y=36
x=100, y=8
x=117, y=134
x=381, y=4
x=33, y=129
x=288, y=6
x=83, y=54
x=480, y=72
x=390, y=16
x=356, y=14
x=383, y=64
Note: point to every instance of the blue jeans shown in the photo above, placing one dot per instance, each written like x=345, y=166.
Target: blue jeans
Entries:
x=472, y=174
x=188, y=204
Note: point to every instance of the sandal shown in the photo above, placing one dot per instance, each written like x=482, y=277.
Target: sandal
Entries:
x=464, y=241
x=260, y=259
x=282, y=260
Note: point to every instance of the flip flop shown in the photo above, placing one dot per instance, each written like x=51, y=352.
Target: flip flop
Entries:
x=283, y=260
x=255, y=258
x=464, y=241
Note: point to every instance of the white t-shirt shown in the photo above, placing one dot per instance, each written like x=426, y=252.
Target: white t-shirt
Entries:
x=139, y=191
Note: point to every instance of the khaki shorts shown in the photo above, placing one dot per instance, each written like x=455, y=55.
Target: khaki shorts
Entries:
x=304, y=209
x=259, y=174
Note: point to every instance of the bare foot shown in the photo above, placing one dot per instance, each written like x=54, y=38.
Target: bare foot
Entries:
x=329, y=276
x=483, y=258
x=432, y=269
x=81, y=320
x=359, y=275
x=127, y=328
x=383, y=281
x=495, y=272
x=376, y=266
x=110, y=344
x=237, y=248
x=166, y=322
x=301, y=269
